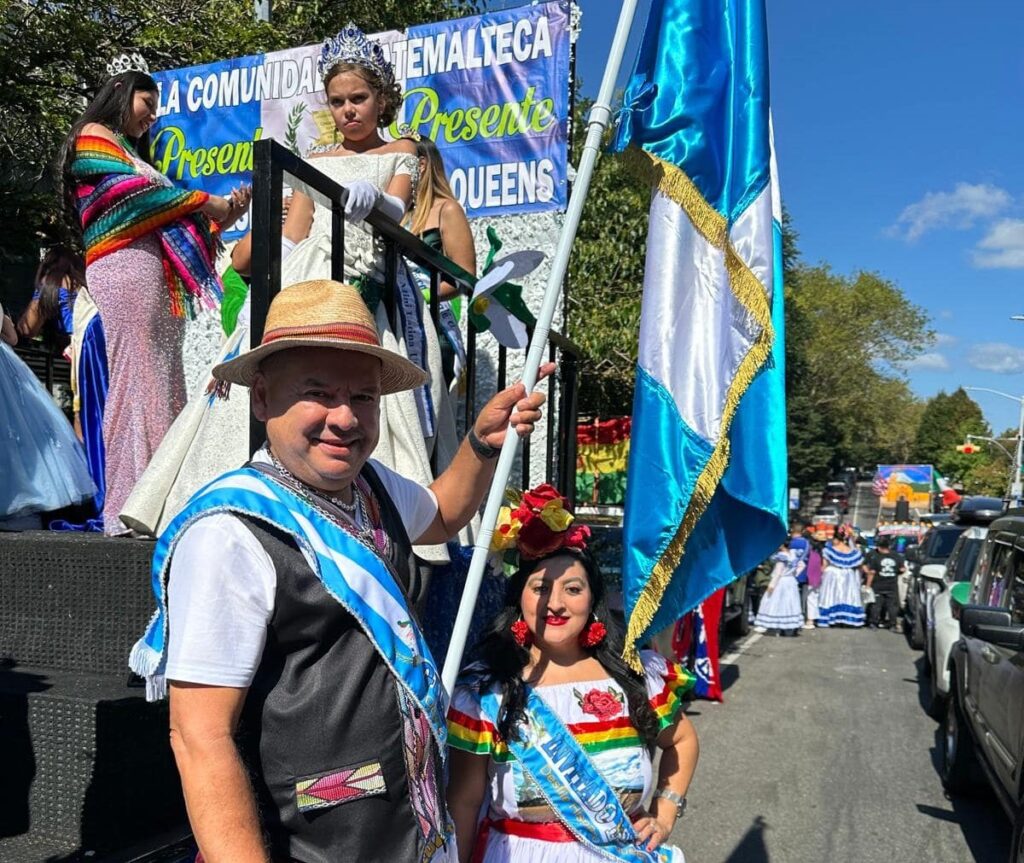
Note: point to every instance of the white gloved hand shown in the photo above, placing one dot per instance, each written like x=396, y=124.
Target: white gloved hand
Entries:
x=362, y=197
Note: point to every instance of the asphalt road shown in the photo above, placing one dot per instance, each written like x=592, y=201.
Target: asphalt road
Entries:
x=822, y=752
x=863, y=512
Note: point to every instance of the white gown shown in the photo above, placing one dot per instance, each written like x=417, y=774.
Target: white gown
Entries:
x=212, y=436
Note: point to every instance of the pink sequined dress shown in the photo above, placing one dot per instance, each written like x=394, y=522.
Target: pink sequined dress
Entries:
x=147, y=377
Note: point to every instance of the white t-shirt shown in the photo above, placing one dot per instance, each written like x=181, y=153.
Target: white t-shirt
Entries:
x=222, y=583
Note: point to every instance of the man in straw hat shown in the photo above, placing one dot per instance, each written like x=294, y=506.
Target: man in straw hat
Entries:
x=307, y=714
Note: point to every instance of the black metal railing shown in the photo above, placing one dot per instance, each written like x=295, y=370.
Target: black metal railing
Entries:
x=271, y=163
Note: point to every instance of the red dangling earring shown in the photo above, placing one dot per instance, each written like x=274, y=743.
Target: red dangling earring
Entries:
x=592, y=634
x=521, y=633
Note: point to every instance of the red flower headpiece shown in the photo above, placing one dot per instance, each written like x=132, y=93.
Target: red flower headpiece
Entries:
x=537, y=523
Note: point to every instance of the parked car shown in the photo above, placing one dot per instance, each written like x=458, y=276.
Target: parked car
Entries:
x=984, y=723
x=942, y=630
x=828, y=513
x=836, y=492
x=935, y=548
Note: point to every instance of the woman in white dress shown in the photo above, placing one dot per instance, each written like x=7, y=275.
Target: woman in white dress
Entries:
x=839, y=598
x=780, y=607
x=211, y=436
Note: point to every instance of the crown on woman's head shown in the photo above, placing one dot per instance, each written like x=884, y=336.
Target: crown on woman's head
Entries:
x=537, y=523
x=351, y=46
x=133, y=62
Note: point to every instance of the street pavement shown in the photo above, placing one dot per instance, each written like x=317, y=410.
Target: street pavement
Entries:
x=822, y=752
x=863, y=511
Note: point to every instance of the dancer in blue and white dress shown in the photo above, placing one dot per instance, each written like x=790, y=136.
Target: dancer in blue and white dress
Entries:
x=839, y=598
x=780, y=606
x=42, y=465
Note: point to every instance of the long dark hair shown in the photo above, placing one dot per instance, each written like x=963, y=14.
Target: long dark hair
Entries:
x=111, y=107
x=504, y=660
x=59, y=265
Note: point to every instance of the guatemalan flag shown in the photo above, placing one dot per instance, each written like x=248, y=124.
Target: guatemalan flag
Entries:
x=706, y=496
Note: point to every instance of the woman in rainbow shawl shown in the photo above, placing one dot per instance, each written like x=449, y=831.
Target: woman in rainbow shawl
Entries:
x=149, y=265
x=551, y=734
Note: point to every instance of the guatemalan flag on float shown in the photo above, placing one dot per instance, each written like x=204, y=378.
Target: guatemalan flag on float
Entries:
x=706, y=496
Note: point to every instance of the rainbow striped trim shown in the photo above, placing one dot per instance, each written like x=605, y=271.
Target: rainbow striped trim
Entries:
x=480, y=737
x=348, y=332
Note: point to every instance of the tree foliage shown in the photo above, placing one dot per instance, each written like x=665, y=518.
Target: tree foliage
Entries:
x=53, y=56
x=606, y=274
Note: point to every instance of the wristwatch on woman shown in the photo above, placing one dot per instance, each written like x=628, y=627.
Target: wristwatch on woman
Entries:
x=671, y=796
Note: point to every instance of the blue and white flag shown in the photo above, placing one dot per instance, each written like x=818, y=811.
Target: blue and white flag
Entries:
x=706, y=495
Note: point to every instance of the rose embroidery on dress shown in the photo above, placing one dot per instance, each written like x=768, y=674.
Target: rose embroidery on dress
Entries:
x=601, y=703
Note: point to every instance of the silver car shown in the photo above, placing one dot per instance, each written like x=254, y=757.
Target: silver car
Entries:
x=942, y=631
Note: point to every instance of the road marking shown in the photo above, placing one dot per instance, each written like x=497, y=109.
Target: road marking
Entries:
x=731, y=657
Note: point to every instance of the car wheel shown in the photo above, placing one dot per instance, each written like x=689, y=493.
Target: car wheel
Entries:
x=917, y=633
x=1017, y=848
x=959, y=760
x=740, y=625
x=935, y=705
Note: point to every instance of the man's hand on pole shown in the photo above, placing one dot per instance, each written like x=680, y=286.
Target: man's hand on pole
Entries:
x=511, y=407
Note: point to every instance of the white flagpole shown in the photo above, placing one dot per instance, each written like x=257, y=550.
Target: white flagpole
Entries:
x=600, y=117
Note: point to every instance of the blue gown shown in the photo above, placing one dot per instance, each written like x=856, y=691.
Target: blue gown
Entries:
x=42, y=465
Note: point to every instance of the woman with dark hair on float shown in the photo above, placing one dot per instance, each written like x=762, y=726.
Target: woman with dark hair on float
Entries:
x=149, y=264
x=552, y=716
x=59, y=277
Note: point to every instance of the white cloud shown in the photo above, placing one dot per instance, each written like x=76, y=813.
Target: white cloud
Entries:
x=997, y=357
x=944, y=340
x=928, y=362
x=947, y=314
x=1002, y=246
x=961, y=208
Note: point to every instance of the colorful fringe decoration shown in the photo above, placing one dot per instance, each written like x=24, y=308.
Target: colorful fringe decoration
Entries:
x=602, y=452
x=118, y=204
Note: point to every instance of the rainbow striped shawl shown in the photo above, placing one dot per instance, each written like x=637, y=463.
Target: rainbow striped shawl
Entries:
x=117, y=204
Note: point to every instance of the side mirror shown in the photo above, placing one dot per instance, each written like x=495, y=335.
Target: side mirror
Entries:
x=934, y=572
x=991, y=624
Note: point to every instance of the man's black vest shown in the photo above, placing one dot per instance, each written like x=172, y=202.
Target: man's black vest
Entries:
x=324, y=704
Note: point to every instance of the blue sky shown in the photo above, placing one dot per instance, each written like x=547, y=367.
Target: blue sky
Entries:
x=899, y=129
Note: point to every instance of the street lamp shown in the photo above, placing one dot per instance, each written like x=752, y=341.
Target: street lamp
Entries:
x=1016, y=488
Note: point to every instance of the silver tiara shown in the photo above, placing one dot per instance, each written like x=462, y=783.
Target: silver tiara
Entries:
x=352, y=46
x=133, y=62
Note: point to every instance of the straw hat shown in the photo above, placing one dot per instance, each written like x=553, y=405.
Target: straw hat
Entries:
x=322, y=314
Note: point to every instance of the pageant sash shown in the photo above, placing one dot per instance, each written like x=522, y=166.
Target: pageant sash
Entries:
x=573, y=787
x=351, y=573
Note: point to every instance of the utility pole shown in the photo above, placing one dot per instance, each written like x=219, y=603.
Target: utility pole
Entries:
x=1016, y=493
x=262, y=10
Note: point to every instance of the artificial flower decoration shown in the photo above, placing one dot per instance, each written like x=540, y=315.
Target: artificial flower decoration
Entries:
x=537, y=523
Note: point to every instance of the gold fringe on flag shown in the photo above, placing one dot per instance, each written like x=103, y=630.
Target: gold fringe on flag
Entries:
x=749, y=292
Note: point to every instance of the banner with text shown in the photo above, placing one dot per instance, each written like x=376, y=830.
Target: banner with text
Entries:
x=492, y=91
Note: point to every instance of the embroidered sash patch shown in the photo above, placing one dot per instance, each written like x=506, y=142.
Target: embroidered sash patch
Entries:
x=340, y=786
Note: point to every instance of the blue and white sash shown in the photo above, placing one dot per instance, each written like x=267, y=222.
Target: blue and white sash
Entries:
x=573, y=787
x=351, y=573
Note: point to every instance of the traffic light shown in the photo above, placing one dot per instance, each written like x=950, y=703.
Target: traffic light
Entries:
x=967, y=448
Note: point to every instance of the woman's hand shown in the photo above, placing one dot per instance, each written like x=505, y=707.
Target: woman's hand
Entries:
x=218, y=209
x=650, y=831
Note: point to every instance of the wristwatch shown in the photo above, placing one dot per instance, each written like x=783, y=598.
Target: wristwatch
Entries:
x=671, y=796
x=482, y=449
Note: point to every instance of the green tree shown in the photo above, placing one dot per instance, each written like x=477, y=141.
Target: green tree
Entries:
x=946, y=421
x=606, y=273
x=53, y=57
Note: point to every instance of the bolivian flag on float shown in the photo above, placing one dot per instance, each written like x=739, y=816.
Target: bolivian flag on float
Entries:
x=706, y=489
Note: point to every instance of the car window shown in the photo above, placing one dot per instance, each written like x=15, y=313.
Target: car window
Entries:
x=966, y=559
x=942, y=542
x=993, y=591
x=1017, y=591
